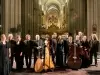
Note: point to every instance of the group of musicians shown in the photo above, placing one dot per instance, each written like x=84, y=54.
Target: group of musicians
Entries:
x=54, y=51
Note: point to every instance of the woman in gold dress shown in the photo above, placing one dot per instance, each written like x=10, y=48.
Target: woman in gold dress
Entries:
x=48, y=63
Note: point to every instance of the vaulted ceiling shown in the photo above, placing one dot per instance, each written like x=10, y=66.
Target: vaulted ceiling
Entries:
x=53, y=4
x=53, y=12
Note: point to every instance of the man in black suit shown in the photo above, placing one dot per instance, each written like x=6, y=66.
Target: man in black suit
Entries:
x=66, y=47
x=40, y=44
x=29, y=45
x=53, y=45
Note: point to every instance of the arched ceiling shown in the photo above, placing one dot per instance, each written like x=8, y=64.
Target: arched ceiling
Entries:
x=53, y=7
x=53, y=1
x=52, y=4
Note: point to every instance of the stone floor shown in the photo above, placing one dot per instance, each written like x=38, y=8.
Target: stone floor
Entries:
x=80, y=72
x=92, y=70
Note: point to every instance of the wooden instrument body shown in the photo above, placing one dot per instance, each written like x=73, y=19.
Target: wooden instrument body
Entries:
x=86, y=53
x=85, y=49
x=74, y=60
x=74, y=63
x=38, y=65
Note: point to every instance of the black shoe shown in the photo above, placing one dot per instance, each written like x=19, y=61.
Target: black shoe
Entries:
x=96, y=65
x=52, y=70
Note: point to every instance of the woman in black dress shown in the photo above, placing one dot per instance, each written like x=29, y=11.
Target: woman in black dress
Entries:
x=4, y=56
x=12, y=43
x=86, y=55
x=59, y=52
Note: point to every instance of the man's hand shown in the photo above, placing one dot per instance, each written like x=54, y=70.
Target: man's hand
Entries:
x=53, y=52
x=40, y=47
x=37, y=47
x=9, y=53
x=21, y=54
x=81, y=46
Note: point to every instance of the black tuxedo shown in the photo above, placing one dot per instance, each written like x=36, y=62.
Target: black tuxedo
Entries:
x=28, y=52
x=53, y=45
x=34, y=46
x=66, y=50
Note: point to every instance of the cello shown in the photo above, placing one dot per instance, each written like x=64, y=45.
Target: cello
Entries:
x=74, y=60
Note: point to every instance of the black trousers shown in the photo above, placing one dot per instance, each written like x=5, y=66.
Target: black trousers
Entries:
x=91, y=57
x=19, y=62
x=59, y=59
x=85, y=62
x=65, y=58
x=53, y=57
x=28, y=56
x=12, y=59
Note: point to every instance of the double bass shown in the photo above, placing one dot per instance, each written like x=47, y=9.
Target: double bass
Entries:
x=74, y=60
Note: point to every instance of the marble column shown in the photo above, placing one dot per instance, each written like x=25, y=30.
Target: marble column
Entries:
x=98, y=15
x=77, y=16
x=11, y=14
x=30, y=18
x=6, y=15
x=92, y=17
